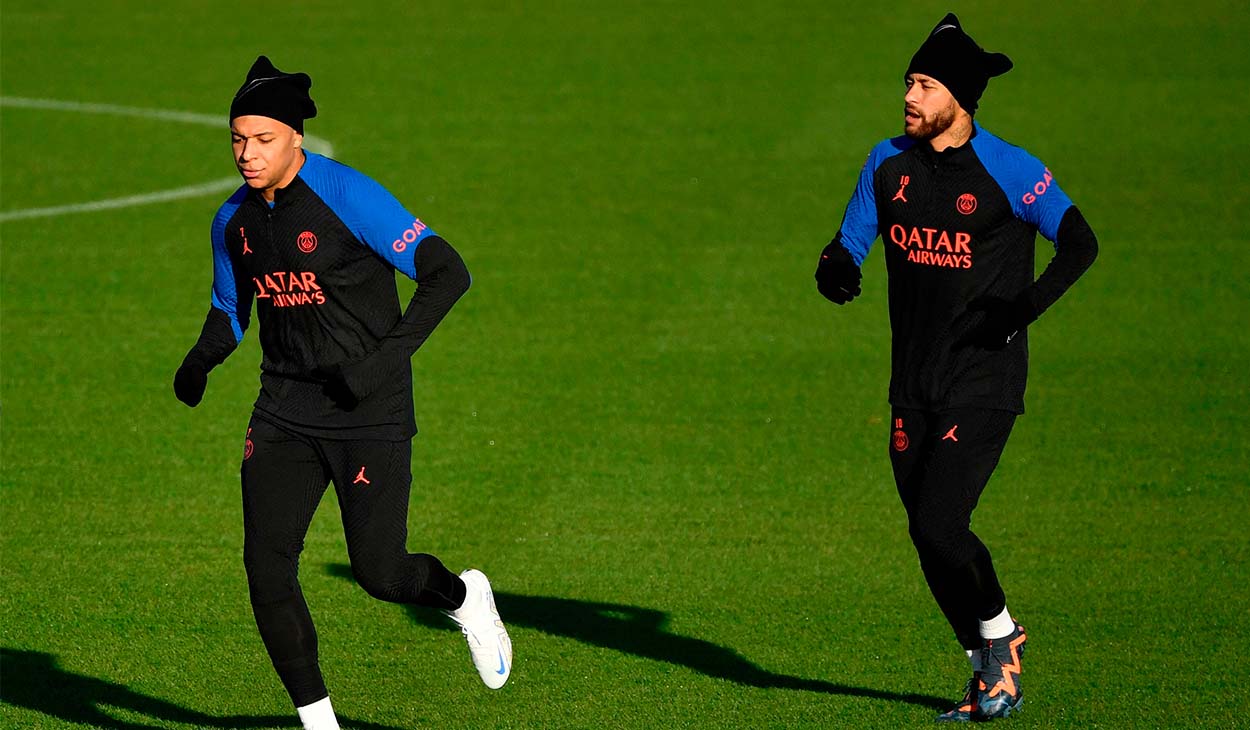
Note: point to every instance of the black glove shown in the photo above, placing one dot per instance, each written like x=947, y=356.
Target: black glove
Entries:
x=190, y=382
x=837, y=275
x=1003, y=320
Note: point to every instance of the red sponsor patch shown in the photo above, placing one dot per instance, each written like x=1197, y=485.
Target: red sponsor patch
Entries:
x=409, y=236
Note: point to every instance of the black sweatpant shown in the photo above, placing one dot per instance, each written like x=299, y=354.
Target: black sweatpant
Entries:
x=942, y=462
x=284, y=475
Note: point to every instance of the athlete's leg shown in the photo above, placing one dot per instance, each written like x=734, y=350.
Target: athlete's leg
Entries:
x=965, y=446
x=283, y=480
x=372, y=480
x=912, y=445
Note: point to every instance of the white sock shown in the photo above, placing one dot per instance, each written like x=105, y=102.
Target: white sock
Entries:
x=318, y=716
x=999, y=626
x=974, y=658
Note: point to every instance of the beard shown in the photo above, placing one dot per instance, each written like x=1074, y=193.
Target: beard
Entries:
x=931, y=126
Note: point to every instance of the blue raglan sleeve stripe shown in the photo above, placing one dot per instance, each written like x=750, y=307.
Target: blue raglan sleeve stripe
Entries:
x=225, y=295
x=859, y=222
x=1035, y=195
x=374, y=215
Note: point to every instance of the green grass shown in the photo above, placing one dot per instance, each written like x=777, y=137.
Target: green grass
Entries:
x=667, y=450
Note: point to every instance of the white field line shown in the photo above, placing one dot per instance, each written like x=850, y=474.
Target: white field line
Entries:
x=314, y=143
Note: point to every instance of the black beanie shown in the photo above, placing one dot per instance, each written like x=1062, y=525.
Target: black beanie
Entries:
x=268, y=92
x=952, y=57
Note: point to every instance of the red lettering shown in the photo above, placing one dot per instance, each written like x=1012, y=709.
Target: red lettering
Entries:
x=1039, y=188
x=926, y=249
x=289, y=288
x=898, y=236
x=408, y=236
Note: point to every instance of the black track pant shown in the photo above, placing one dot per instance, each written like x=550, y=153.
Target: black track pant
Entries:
x=284, y=476
x=942, y=462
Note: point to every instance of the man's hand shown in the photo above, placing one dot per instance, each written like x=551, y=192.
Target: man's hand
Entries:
x=190, y=382
x=837, y=275
x=1003, y=320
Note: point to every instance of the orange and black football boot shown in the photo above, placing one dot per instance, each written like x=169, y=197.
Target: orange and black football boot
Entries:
x=998, y=683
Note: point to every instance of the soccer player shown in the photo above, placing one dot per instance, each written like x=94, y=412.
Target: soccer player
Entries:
x=315, y=244
x=958, y=210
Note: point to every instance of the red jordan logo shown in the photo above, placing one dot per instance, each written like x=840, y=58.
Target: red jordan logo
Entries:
x=246, y=250
x=902, y=183
x=360, y=478
x=949, y=435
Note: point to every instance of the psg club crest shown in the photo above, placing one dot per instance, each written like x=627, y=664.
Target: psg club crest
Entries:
x=307, y=241
x=247, y=446
x=899, y=440
x=966, y=203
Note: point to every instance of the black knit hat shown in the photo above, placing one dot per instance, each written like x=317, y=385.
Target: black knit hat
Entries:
x=268, y=92
x=952, y=57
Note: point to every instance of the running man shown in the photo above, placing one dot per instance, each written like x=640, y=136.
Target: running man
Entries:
x=316, y=244
x=958, y=210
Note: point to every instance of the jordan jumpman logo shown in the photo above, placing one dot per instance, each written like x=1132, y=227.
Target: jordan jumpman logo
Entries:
x=902, y=184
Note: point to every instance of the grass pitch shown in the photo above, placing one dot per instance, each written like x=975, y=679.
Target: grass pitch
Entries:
x=642, y=422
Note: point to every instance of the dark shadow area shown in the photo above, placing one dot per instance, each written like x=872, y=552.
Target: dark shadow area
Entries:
x=34, y=681
x=641, y=632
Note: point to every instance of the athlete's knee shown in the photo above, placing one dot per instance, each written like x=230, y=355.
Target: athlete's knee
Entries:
x=272, y=575
x=381, y=578
x=943, y=543
x=396, y=577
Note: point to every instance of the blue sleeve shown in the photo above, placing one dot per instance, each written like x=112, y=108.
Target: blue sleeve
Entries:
x=225, y=296
x=1035, y=195
x=859, y=222
x=371, y=213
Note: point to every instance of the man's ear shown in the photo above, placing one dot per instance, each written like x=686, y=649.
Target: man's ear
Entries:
x=299, y=141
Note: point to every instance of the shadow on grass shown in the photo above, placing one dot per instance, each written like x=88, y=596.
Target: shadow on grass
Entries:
x=34, y=680
x=641, y=632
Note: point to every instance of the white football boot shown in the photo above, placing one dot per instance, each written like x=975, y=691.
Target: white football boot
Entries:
x=479, y=621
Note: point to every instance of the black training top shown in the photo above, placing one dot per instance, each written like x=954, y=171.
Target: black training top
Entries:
x=319, y=263
x=958, y=225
